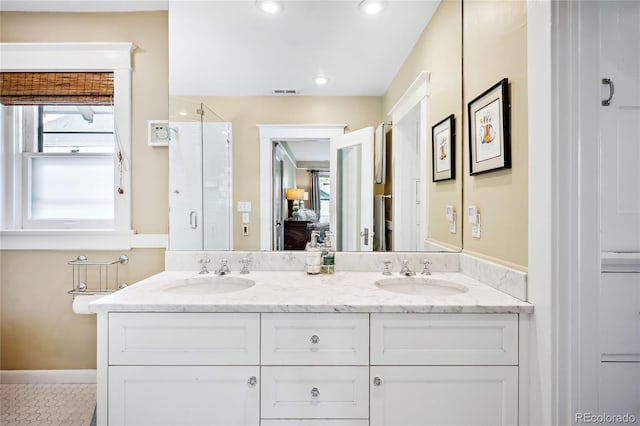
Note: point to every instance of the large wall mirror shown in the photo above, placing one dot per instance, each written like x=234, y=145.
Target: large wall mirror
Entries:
x=316, y=117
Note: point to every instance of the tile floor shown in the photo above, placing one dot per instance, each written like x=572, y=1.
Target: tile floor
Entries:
x=47, y=404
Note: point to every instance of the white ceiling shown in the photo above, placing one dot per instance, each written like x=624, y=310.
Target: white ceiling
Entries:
x=231, y=48
x=309, y=150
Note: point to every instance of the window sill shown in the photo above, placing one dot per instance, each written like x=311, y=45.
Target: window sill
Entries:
x=78, y=239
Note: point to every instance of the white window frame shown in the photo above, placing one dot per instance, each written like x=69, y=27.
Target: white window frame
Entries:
x=79, y=57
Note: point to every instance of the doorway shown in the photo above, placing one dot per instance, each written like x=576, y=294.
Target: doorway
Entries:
x=269, y=134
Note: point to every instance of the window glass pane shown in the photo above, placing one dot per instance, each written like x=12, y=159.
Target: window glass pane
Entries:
x=72, y=187
x=78, y=142
x=83, y=128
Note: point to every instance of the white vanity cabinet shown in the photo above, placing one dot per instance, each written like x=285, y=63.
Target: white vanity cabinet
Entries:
x=313, y=369
x=183, y=369
x=444, y=369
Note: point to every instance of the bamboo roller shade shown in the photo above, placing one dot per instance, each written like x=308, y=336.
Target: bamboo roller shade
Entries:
x=55, y=88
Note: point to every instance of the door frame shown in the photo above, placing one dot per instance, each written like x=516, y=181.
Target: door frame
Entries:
x=278, y=132
x=417, y=95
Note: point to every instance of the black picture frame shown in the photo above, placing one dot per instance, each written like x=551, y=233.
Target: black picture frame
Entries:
x=443, y=149
x=489, y=130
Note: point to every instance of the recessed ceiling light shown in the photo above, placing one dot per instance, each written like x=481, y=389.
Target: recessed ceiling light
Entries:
x=320, y=80
x=182, y=113
x=269, y=6
x=372, y=7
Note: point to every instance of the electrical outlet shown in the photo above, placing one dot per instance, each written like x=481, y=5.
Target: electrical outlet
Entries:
x=245, y=230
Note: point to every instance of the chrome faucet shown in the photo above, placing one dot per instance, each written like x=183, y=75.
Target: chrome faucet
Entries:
x=203, y=266
x=224, y=268
x=405, y=269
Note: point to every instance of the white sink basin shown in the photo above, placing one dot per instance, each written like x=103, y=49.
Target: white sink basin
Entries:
x=212, y=284
x=420, y=286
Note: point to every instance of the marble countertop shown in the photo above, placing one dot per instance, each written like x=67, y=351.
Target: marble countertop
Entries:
x=277, y=291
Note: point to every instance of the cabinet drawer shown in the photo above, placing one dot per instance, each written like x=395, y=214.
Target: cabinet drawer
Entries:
x=315, y=392
x=444, y=339
x=620, y=317
x=315, y=339
x=184, y=339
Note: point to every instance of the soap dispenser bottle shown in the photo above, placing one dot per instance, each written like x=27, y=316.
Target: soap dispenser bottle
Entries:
x=314, y=255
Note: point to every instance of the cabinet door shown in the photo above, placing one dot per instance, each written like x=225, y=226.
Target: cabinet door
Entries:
x=455, y=395
x=619, y=317
x=619, y=392
x=187, y=396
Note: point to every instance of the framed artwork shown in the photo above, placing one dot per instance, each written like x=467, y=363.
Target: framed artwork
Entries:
x=443, y=140
x=489, y=136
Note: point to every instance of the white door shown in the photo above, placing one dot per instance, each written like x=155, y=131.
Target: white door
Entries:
x=185, y=395
x=454, y=395
x=619, y=302
x=351, y=174
x=620, y=126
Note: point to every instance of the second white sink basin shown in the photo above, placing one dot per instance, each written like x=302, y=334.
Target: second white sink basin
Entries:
x=420, y=286
x=212, y=284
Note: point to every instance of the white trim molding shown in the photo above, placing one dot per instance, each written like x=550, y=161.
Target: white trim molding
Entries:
x=47, y=376
x=78, y=239
x=65, y=56
x=279, y=132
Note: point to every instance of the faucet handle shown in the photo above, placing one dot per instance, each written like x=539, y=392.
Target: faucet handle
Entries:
x=203, y=265
x=245, y=265
x=386, y=270
x=426, y=264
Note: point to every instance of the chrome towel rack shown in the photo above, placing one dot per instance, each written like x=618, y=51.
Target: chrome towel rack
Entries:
x=96, y=276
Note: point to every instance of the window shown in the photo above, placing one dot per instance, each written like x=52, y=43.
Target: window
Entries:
x=325, y=196
x=68, y=166
x=66, y=141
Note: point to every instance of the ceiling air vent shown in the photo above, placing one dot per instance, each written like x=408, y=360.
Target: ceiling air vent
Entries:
x=285, y=92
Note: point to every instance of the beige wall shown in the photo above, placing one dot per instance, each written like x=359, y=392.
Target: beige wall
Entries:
x=247, y=112
x=495, y=46
x=37, y=328
x=438, y=51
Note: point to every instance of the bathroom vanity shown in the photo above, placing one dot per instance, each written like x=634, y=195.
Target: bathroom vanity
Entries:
x=284, y=348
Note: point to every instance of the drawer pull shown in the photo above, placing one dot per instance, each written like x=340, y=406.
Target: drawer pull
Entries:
x=315, y=393
x=252, y=381
x=315, y=339
x=377, y=381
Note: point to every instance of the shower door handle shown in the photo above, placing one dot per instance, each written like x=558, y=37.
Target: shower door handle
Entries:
x=193, y=219
x=609, y=82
